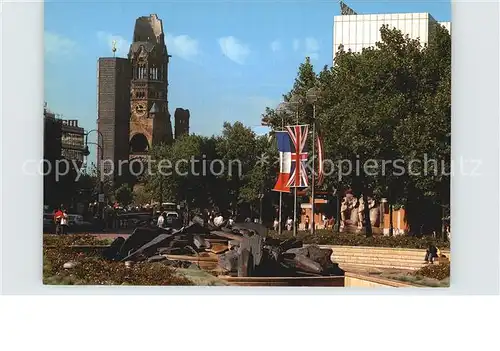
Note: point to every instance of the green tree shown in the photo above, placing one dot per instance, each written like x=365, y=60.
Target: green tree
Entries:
x=124, y=195
x=390, y=102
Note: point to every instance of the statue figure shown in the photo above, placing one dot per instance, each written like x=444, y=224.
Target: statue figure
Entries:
x=361, y=213
x=374, y=212
x=354, y=211
x=344, y=212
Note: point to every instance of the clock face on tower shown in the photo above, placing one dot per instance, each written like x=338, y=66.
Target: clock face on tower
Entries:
x=140, y=109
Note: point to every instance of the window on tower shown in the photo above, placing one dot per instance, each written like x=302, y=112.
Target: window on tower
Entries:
x=141, y=72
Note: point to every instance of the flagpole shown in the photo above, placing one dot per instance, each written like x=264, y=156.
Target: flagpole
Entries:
x=312, y=97
x=297, y=168
x=313, y=169
x=281, y=193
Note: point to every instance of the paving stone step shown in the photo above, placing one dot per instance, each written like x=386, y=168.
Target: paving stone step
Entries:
x=383, y=251
x=392, y=266
x=376, y=260
x=372, y=256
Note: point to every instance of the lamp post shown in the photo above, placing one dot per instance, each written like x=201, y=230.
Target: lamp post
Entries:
x=312, y=97
x=295, y=102
x=261, y=197
x=86, y=152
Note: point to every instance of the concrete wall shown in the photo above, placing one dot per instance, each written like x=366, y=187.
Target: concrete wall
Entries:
x=353, y=280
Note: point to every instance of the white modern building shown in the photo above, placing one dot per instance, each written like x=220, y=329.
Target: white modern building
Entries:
x=356, y=32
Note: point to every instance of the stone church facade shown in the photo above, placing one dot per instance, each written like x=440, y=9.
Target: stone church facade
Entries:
x=133, y=106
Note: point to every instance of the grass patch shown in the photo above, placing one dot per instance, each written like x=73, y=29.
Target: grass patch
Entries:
x=437, y=275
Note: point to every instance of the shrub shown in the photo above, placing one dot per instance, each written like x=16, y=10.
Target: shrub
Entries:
x=93, y=270
x=327, y=237
x=436, y=271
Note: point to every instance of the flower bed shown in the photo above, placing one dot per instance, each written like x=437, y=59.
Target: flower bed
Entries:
x=93, y=270
x=435, y=271
x=326, y=237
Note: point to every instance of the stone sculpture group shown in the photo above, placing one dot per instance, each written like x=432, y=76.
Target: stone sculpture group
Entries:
x=352, y=212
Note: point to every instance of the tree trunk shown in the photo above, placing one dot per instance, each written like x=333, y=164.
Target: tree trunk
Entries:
x=391, y=227
x=368, y=224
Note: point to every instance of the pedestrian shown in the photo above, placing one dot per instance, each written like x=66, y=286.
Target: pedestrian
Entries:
x=161, y=220
x=58, y=213
x=64, y=222
x=231, y=221
x=276, y=224
x=219, y=220
x=289, y=223
x=325, y=222
x=431, y=253
x=307, y=222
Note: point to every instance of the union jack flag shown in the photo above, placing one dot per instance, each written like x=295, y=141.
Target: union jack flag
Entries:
x=298, y=174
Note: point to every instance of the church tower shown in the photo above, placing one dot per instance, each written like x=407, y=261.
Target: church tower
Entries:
x=149, y=116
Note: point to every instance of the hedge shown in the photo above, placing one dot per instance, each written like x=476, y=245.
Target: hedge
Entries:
x=327, y=237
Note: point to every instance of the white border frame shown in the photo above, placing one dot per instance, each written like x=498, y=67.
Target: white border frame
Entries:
x=475, y=135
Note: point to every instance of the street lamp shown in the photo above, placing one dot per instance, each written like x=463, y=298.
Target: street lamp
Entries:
x=261, y=197
x=295, y=102
x=312, y=98
x=86, y=153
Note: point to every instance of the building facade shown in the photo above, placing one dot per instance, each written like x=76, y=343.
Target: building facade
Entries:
x=113, y=101
x=181, y=117
x=149, y=115
x=133, y=107
x=62, y=139
x=72, y=140
x=356, y=32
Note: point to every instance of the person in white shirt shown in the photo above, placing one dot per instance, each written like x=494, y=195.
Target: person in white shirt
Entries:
x=64, y=223
x=219, y=220
x=276, y=224
x=231, y=221
x=161, y=220
x=289, y=224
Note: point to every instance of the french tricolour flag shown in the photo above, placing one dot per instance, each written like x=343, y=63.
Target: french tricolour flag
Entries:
x=285, y=150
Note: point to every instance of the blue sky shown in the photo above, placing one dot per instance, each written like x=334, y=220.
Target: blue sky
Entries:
x=230, y=60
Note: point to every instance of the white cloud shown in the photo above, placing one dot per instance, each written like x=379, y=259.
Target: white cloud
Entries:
x=234, y=50
x=122, y=44
x=313, y=55
x=183, y=46
x=58, y=46
x=275, y=46
x=312, y=45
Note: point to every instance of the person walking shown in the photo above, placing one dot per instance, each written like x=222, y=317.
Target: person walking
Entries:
x=276, y=224
x=161, y=220
x=289, y=223
x=64, y=222
x=307, y=223
x=325, y=222
x=219, y=220
x=58, y=213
